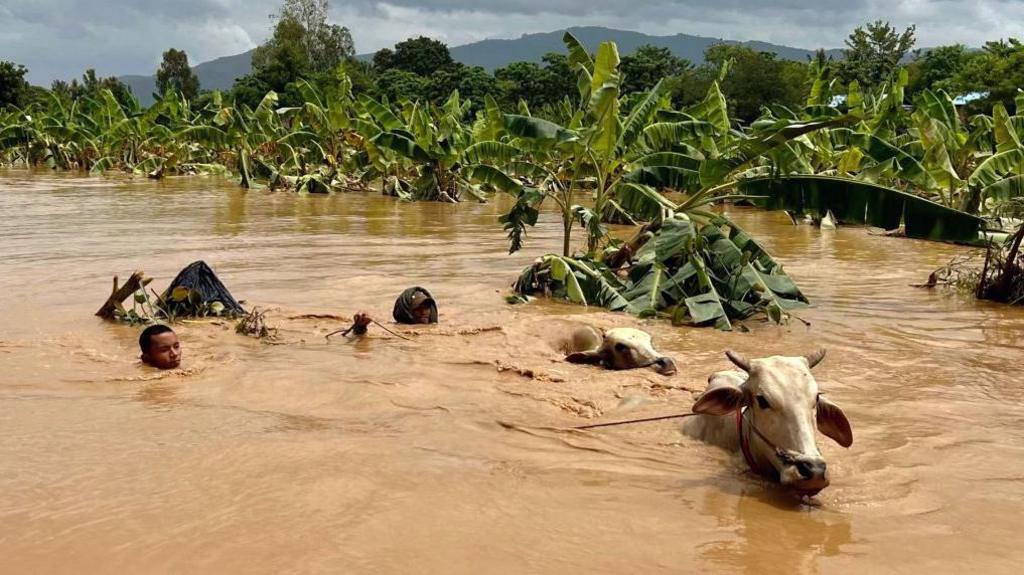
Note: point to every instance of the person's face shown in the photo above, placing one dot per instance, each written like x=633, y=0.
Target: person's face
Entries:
x=422, y=313
x=164, y=351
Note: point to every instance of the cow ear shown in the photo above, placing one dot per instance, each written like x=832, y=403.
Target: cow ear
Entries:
x=724, y=395
x=592, y=357
x=833, y=423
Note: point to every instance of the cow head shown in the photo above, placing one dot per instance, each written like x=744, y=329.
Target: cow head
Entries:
x=625, y=348
x=784, y=404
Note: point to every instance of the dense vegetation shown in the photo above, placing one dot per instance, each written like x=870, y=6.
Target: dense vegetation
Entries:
x=633, y=134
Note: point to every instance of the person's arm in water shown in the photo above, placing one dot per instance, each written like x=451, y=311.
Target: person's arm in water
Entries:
x=360, y=322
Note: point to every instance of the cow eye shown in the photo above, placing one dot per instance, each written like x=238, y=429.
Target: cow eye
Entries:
x=762, y=402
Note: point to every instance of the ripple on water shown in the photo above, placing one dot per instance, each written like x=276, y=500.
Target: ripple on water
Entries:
x=390, y=451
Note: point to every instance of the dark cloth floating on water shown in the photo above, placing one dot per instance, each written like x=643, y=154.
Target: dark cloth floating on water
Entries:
x=411, y=299
x=204, y=289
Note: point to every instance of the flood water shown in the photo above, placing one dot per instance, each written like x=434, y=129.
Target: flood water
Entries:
x=390, y=456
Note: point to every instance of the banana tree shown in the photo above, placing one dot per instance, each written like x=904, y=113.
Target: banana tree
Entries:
x=596, y=152
x=929, y=169
x=447, y=164
x=694, y=151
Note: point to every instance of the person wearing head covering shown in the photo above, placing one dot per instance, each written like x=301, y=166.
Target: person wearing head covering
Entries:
x=415, y=305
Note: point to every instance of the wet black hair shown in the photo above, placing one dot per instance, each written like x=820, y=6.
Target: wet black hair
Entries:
x=149, y=332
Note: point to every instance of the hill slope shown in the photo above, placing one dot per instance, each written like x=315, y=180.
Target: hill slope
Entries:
x=221, y=73
x=491, y=54
x=217, y=74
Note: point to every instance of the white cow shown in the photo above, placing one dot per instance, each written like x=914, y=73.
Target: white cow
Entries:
x=619, y=348
x=769, y=412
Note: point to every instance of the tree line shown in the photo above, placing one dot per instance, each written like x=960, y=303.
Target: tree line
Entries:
x=305, y=45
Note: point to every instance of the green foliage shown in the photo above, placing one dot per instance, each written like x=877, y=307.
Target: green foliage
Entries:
x=936, y=68
x=647, y=66
x=853, y=202
x=14, y=89
x=422, y=56
x=304, y=38
x=874, y=51
x=750, y=84
x=397, y=85
x=447, y=137
x=536, y=85
x=93, y=87
x=997, y=69
x=471, y=82
x=304, y=45
x=752, y=81
x=600, y=154
x=176, y=75
x=701, y=268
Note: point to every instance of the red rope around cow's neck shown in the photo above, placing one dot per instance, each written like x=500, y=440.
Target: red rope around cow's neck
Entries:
x=745, y=442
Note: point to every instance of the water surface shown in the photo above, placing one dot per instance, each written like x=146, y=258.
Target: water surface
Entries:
x=387, y=456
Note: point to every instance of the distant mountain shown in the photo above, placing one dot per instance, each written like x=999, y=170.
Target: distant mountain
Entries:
x=217, y=74
x=491, y=54
x=221, y=73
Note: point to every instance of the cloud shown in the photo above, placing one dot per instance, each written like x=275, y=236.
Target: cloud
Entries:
x=61, y=38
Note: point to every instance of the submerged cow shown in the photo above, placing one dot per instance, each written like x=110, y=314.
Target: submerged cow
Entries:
x=769, y=412
x=619, y=348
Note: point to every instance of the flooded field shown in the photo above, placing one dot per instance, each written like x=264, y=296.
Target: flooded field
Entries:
x=443, y=454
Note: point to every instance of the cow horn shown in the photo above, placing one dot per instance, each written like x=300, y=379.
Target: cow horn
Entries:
x=815, y=358
x=740, y=361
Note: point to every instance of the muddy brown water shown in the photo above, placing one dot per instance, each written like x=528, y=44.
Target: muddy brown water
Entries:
x=389, y=456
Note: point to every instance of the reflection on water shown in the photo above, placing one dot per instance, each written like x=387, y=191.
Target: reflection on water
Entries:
x=773, y=532
x=385, y=455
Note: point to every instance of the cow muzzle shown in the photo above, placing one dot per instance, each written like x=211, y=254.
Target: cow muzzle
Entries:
x=806, y=475
x=664, y=366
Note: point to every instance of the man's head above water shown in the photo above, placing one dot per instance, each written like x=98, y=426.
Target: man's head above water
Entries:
x=160, y=347
x=423, y=306
x=415, y=305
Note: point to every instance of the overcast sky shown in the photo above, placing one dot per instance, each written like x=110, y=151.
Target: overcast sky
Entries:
x=60, y=38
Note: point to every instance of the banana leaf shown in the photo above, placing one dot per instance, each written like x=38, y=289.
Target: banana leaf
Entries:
x=689, y=268
x=1012, y=187
x=604, y=132
x=712, y=108
x=605, y=71
x=714, y=171
x=670, y=159
x=578, y=54
x=707, y=308
x=403, y=145
x=381, y=113
x=492, y=153
x=493, y=177
x=635, y=201
x=997, y=167
x=665, y=135
x=905, y=166
x=1005, y=134
x=640, y=116
x=532, y=128
x=596, y=286
x=857, y=202
x=523, y=213
x=669, y=242
x=645, y=296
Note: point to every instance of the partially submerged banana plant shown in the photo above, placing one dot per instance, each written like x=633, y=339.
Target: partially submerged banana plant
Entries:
x=700, y=269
